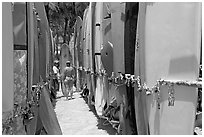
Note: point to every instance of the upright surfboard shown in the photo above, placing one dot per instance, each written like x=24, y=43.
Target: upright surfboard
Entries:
x=91, y=55
x=100, y=93
x=107, y=50
x=117, y=30
x=78, y=26
x=88, y=53
x=7, y=56
x=131, y=14
x=169, y=49
x=83, y=41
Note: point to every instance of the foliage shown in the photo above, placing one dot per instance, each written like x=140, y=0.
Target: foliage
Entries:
x=62, y=17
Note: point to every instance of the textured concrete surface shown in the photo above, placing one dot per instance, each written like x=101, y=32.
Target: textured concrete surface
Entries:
x=77, y=118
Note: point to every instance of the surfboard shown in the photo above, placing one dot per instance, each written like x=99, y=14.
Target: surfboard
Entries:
x=100, y=98
x=83, y=38
x=169, y=46
x=117, y=30
x=43, y=41
x=131, y=13
x=140, y=97
x=78, y=26
x=88, y=52
x=91, y=54
x=7, y=56
x=107, y=50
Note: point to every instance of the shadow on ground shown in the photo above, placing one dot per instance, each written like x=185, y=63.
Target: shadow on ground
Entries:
x=110, y=130
x=54, y=100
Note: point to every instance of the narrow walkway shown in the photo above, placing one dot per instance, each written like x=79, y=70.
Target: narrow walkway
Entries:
x=77, y=118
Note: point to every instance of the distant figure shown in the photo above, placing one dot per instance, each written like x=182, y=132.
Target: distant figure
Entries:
x=68, y=78
x=55, y=78
x=85, y=91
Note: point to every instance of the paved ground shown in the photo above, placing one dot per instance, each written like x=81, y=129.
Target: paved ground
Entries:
x=77, y=118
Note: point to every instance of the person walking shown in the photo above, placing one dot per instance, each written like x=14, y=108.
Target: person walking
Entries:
x=68, y=79
x=55, y=78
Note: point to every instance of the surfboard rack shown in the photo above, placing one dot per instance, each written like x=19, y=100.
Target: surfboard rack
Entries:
x=197, y=83
x=132, y=80
x=170, y=84
x=128, y=79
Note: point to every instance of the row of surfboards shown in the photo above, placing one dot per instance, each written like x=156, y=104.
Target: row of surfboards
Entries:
x=151, y=41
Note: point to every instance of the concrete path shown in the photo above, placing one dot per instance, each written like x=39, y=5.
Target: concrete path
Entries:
x=77, y=118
